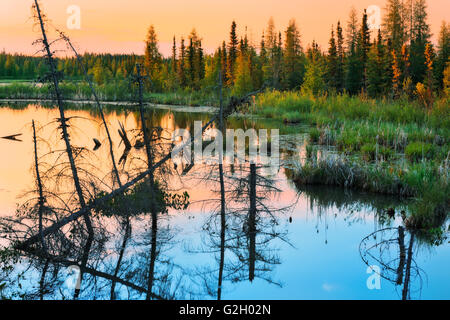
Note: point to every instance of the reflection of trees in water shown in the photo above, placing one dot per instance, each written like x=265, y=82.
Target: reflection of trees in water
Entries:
x=56, y=204
x=393, y=250
x=353, y=204
x=120, y=242
x=240, y=236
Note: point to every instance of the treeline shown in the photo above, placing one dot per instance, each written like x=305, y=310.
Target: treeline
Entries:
x=102, y=67
x=397, y=60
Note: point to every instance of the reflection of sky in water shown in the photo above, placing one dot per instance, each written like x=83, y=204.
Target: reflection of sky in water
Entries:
x=311, y=269
x=321, y=260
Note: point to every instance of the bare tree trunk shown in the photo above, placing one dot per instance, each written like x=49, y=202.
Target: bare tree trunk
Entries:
x=100, y=109
x=151, y=272
x=406, y=288
x=402, y=249
x=96, y=202
x=121, y=253
x=252, y=222
x=222, y=200
x=42, y=281
x=83, y=265
x=153, y=207
x=41, y=194
x=63, y=119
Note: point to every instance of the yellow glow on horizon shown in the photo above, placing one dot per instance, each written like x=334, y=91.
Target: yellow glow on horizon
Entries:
x=120, y=26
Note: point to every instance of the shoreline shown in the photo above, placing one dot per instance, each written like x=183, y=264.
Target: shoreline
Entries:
x=178, y=108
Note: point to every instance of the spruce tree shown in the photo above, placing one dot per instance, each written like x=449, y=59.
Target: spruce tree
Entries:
x=174, y=56
x=352, y=30
x=152, y=58
x=181, y=65
x=243, y=83
x=332, y=63
x=224, y=63
x=363, y=48
x=395, y=24
x=314, y=83
x=232, y=53
x=293, y=71
x=341, y=58
x=264, y=61
x=352, y=68
x=376, y=68
x=420, y=35
x=443, y=54
x=190, y=66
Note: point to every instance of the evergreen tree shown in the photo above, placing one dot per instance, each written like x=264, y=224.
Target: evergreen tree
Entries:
x=232, y=53
x=277, y=62
x=341, y=58
x=181, y=65
x=353, y=68
x=394, y=24
x=224, y=63
x=446, y=80
x=420, y=35
x=376, y=68
x=174, y=56
x=314, y=83
x=443, y=53
x=292, y=65
x=352, y=30
x=271, y=35
x=172, y=82
x=264, y=61
x=363, y=48
x=190, y=65
x=396, y=74
x=332, y=64
x=152, y=59
x=243, y=83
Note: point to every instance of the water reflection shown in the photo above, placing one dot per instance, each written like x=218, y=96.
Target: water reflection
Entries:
x=187, y=232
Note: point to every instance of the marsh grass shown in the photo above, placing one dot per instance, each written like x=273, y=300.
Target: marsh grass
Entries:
x=110, y=91
x=384, y=146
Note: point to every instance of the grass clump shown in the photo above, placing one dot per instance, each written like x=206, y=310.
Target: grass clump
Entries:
x=416, y=151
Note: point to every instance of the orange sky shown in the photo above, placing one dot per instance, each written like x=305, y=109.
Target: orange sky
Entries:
x=120, y=25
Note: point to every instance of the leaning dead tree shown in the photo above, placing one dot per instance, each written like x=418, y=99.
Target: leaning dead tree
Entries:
x=63, y=120
x=97, y=101
x=85, y=210
x=52, y=244
x=64, y=128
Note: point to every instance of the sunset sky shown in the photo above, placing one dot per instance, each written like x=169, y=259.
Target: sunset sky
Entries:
x=119, y=26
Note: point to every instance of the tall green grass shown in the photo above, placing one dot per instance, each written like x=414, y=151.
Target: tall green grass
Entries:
x=384, y=146
x=339, y=108
x=111, y=91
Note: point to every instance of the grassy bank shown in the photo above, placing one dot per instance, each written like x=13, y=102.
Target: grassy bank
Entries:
x=111, y=91
x=391, y=147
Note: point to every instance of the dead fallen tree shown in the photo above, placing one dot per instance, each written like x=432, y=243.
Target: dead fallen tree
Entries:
x=234, y=102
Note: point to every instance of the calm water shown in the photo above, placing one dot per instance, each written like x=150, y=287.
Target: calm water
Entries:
x=308, y=243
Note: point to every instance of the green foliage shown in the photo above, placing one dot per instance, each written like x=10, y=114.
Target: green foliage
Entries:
x=243, y=83
x=416, y=151
x=314, y=83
